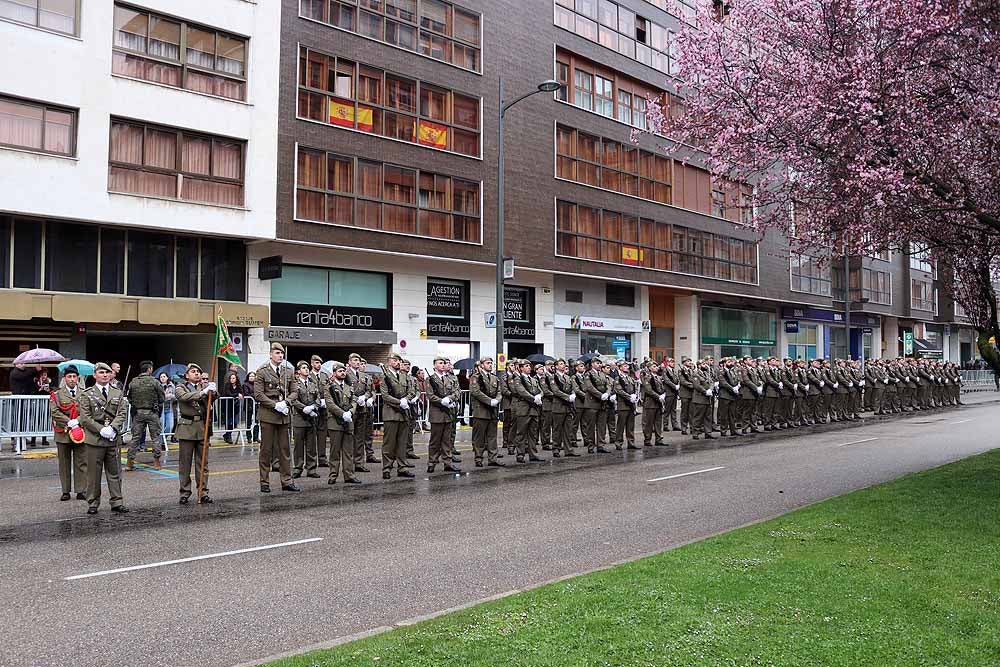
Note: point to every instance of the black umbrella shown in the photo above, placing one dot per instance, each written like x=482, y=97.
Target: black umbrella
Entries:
x=587, y=357
x=464, y=364
x=539, y=358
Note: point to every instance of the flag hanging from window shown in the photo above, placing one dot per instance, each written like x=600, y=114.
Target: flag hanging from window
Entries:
x=432, y=134
x=343, y=113
x=224, y=348
x=631, y=255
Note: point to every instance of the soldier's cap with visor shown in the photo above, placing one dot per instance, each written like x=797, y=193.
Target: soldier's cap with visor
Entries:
x=484, y=359
x=192, y=366
x=443, y=360
x=101, y=366
x=71, y=370
x=354, y=355
x=278, y=346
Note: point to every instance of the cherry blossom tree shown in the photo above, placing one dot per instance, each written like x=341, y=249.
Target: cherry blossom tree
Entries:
x=862, y=124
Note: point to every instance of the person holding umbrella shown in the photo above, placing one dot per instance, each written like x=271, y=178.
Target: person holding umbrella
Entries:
x=68, y=435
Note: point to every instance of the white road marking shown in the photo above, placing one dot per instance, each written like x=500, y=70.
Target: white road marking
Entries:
x=856, y=442
x=962, y=421
x=685, y=474
x=192, y=558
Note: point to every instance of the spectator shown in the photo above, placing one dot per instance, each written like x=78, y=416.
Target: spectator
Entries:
x=116, y=370
x=167, y=419
x=463, y=380
x=22, y=380
x=253, y=433
x=232, y=390
x=422, y=405
x=43, y=386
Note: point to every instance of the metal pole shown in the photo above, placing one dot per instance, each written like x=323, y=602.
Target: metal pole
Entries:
x=500, y=220
x=847, y=299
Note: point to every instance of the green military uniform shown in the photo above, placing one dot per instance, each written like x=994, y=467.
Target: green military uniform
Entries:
x=595, y=414
x=484, y=392
x=749, y=381
x=687, y=389
x=145, y=395
x=364, y=397
x=701, y=404
x=545, y=422
x=671, y=385
x=563, y=408
x=102, y=407
x=653, y=399
x=192, y=408
x=626, y=388
x=505, y=401
x=729, y=398
x=413, y=396
x=321, y=380
x=442, y=409
x=273, y=388
x=307, y=405
x=341, y=403
x=72, y=455
x=526, y=403
x=395, y=406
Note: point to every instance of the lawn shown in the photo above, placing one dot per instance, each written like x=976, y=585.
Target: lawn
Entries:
x=905, y=573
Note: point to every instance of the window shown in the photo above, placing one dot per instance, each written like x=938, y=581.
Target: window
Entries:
x=574, y=296
x=28, y=253
x=331, y=287
x=70, y=258
x=583, y=232
x=223, y=269
x=619, y=29
x=175, y=53
x=165, y=162
x=150, y=264
x=802, y=345
x=619, y=295
x=583, y=83
x=386, y=104
x=810, y=275
x=5, y=227
x=444, y=31
x=875, y=286
x=920, y=258
x=57, y=15
x=922, y=295
x=603, y=91
x=386, y=197
x=112, y=261
x=36, y=126
x=612, y=165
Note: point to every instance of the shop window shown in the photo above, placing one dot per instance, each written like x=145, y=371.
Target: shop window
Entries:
x=802, y=345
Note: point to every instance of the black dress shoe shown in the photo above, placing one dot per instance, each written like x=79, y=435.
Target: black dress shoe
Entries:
x=362, y=469
x=571, y=454
x=456, y=459
x=430, y=468
x=314, y=475
x=91, y=510
x=291, y=488
x=520, y=459
x=534, y=458
x=449, y=468
x=121, y=509
x=265, y=488
x=556, y=454
x=386, y=474
x=497, y=464
x=332, y=480
x=633, y=447
x=64, y=496
x=618, y=448
x=352, y=480
x=296, y=474
x=206, y=500
x=499, y=455
x=479, y=464
x=183, y=500
x=403, y=464
x=412, y=456
x=81, y=496
x=547, y=448
x=602, y=450
x=323, y=464
x=696, y=437
x=405, y=473
x=371, y=459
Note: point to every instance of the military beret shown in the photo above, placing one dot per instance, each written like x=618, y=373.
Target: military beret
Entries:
x=354, y=355
x=302, y=364
x=71, y=370
x=192, y=366
x=278, y=346
x=336, y=365
x=101, y=366
x=395, y=355
x=405, y=362
x=316, y=357
x=483, y=360
x=441, y=359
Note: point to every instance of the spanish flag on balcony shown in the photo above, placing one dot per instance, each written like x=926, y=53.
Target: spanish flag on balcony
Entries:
x=432, y=134
x=342, y=113
x=631, y=255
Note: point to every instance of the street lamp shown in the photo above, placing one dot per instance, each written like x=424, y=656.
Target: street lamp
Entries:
x=547, y=86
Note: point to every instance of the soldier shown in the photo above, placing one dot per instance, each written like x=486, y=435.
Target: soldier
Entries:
x=627, y=391
x=364, y=397
x=788, y=380
x=145, y=394
x=273, y=390
x=307, y=404
x=839, y=400
x=926, y=380
x=526, y=403
x=874, y=386
x=702, y=390
x=670, y=382
x=441, y=416
x=892, y=389
x=729, y=397
x=610, y=372
x=751, y=388
x=116, y=371
x=192, y=405
x=580, y=369
x=455, y=390
x=654, y=398
x=341, y=403
x=563, y=408
x=772, y=394
x=412, y=397
x=545, y=433
x=826, y=391
x=321, y=379
x=687, y=387
x=64, y=410
x=103, y=412
x=484, y=394
x=505, y=403
x=395, y=405
x=598, y=392
x=802, y=414
x=859, y=388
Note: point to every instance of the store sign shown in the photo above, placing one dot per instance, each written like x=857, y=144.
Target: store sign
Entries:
x=818, y=314
x=589, y=323
x=518, y=313
x=710, y=340
x=792, y=327
x=330, y=317
x=448, y=308
x=907, y=343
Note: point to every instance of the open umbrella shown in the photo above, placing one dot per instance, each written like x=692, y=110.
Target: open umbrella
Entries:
x=373, y=369
x=587, y=357
x=83, y=367
x=539, y=358
x=466, y=364
x=172, y=370
x=39, y=355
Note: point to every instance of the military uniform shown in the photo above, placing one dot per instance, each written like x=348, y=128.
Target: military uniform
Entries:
x=442, y=409
x=670, y=384
x=729, y=398
x=687, y=389
x=306, y=414
x=626, y=388
x=145, y=394
x=749, y=381
x=545, y=422
x=102, y=407
x=455, y=390
x=192, y=406
x=393, y=389
x=563, y=411
x=274, y=386
x=321, y=379
x=484, y=393
x=412, y=396
x=72, y=455
x=595, y=415
x=341, y=406
x=526, y=408
x=701, y=404
x=653, y=400
x=364, y=393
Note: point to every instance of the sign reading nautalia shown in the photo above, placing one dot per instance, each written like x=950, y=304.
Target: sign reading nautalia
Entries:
x=447, y=308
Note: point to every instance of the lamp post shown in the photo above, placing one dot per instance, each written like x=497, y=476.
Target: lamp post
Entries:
x=547, y=86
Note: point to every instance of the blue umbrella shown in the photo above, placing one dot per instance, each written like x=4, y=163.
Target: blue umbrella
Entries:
x=83, y=367
x=172, y=370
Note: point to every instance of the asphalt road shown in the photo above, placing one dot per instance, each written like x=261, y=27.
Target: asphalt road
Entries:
x=389, y=551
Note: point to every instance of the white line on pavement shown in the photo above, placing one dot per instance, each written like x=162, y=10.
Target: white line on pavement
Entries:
x=685, y=474
x=856, y=442
x=962, y=421
x=192, y=558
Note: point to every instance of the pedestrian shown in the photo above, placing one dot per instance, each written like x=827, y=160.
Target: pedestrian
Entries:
x=65, y=423
x=192, y=403
x=167, y=416
x=232, y=391
x=423, y=407
x=146, y=396
x=24, y=382
x=103, y=411
x=273, y=389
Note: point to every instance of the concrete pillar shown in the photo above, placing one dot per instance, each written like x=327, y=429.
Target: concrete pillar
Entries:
x=890, y=337
x=258, y=292
x=687, y=326
x=641, y=339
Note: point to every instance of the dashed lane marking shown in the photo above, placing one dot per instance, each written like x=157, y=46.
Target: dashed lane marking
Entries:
x=856, y=442
x=685, y=474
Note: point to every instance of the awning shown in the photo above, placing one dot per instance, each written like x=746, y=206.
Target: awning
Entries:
x=926, y=349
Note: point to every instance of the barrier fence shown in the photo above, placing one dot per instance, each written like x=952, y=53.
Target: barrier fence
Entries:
x=235, y=419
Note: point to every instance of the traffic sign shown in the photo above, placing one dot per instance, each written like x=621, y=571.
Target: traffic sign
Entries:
x=501, y=362
x=491, y=320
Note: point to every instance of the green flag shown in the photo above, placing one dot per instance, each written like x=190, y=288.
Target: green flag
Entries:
x=223, y=343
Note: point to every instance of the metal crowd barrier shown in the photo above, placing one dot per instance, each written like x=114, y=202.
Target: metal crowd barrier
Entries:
x=421, y=410
x=978, y=380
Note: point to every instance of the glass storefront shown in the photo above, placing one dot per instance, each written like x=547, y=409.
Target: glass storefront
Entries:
x=728, y=332
x=803, y=345
x=607, y=344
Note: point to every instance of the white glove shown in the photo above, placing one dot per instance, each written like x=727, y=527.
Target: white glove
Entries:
x=108, y=433
x=795, y=386
x=72, y=423
x=604, y=396
x=781, y=385
x=634, y=398
x=946, y=380
x=663, y=397
x=572, y=398
x=281, y=407
x=613, y=398
x=736, y=389
x=708, y=392
x=805, y=387
x=760, y=389
x=836, y=385
x=309, y=410
x=907, y=378
x=538, y=399
x=322, y=403
x=405, y=404
x=861, y=383
x=715, y=385
x=494, y=402
x=850, y=384
x=446, y=401
x=212, y=388
x=370, y=401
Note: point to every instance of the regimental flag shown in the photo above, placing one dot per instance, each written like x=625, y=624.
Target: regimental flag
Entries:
x=432, y=134
x=223, y=343
x=631, y=255
x=343, y=113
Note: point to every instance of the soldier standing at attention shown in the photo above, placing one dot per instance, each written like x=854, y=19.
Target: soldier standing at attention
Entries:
x=484, y=393
x=671, y=386
x=306, y=406
x=729, y=397
x=273, y=390
x=527, y=406
x=546, y=420
x=341, y=403
x=595, y=416
x=563, y=409
x=192, y=403
x=653, y=399
x=439, y=396
x=72, y=455
x=364, y=396
x=580, y=369
x=701, y=403
x=456, y=397
x=102, y=415
x=412, y=396
x=395, y=405
x=627, y=391
x=748, y=381
x=145, y=394
x=687, y=387
x=505, y=400
x=320, y=379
